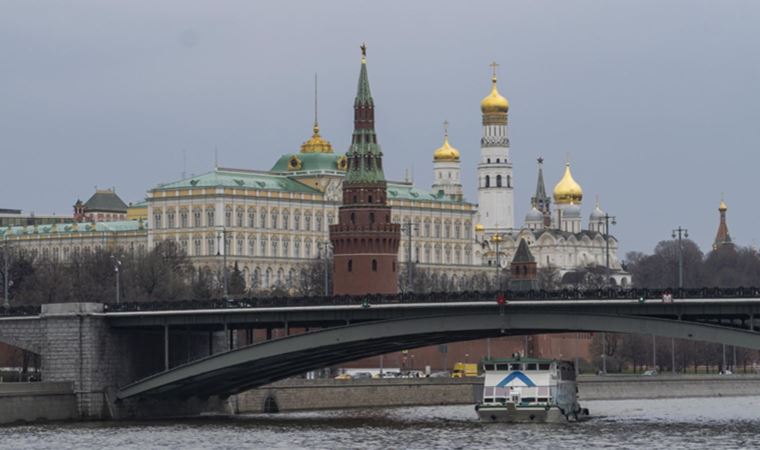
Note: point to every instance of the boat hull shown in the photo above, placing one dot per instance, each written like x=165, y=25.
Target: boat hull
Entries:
x=524, y=414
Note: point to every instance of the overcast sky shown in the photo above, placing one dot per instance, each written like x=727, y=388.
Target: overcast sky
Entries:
x=656, y=102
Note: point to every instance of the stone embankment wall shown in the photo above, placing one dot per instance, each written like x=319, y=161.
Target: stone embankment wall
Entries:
x=301, y=395
x=34, y=402
x=663, y=386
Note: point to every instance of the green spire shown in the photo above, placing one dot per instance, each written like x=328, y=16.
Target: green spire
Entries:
x=363, y=94
x=365, y=159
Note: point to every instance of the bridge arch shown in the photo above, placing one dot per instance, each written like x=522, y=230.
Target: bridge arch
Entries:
x=260, y=364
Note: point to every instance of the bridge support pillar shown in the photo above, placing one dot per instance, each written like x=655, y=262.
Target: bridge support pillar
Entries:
x=166, y=347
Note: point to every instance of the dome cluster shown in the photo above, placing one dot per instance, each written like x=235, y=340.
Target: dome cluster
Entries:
x=446, y=152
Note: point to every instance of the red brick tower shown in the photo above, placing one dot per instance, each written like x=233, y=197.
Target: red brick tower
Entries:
x=365, y=242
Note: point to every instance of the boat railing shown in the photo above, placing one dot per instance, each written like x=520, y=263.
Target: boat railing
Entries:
x=547, y=391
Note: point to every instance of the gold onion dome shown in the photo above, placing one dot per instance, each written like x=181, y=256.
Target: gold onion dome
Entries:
x=479, y=227
x=494, y=102
x=567, y=190
x=316, y=144
x=722, y=206
x=446, y=152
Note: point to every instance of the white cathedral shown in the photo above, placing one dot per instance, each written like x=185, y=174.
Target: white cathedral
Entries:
x=555, y=236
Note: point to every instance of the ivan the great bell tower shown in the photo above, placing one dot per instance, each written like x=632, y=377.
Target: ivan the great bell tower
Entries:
x=365, y=242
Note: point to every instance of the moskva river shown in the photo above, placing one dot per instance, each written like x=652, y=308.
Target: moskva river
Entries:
x=683, y=423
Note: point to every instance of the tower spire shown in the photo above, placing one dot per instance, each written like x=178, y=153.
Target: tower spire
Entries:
x=316, y=120
x=722, y=237
x=540, y=200
x=364, y=157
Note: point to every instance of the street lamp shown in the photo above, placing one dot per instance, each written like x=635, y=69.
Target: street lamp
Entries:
x=496, y=239
x=222, y=234
x=680, y=233
x=6, y=282
x=607, y=219
x=408, y=227
x=116, y=266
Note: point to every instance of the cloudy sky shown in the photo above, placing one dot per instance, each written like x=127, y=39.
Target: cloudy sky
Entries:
x=657, y=103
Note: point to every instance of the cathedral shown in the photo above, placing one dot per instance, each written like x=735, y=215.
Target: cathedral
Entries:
x=274, y=223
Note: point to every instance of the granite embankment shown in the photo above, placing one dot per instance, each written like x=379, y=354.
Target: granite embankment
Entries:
x=301, y=395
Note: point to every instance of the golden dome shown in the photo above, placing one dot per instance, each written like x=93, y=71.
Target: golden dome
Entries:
x=446, y=152
x=722, y=207
x=480, y=228
x=494, y=102
x=567, y=190
x=316, y=144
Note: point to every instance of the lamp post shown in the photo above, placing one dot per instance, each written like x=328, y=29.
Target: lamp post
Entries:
x=496, y=239
x=607, y=220
x=6, y=284
x=408, y=227
x=116, y=268
x=680, y=233
x=223, y=235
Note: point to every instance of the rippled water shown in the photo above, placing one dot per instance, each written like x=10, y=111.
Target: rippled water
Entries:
x=692, y=423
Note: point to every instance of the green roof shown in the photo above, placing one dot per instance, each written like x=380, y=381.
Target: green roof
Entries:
x=310, y=162
x=81, y=228
x=407, y=191
x=241, y=179
x=105, y=200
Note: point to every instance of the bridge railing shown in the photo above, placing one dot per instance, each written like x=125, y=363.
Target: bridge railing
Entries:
x=440, y=297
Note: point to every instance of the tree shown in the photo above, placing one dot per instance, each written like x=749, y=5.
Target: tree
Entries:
x=236, y=282
x=548, y=278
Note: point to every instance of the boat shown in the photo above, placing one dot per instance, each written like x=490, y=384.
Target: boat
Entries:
x=522, y=389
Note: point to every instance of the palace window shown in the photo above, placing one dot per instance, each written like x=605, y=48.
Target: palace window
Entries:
x=197, y=218
x=427, y=229
x=251, y=218
x=170, y=219
x=183, y=245
x=251, y=246
x=438, y=229
x=239, y=218
x=240, y=246
x=263, y=247
x=274, y=219
x=197, y=247
x=319, y=222
x=228, y=217
x=275, y=247
x=297, y=221
x=263, y=217
x=308, y=249
x=183, y=218
x=285, y=220
x=285, y=247
x=210, y=219
x=210, y=242
x=297, y=248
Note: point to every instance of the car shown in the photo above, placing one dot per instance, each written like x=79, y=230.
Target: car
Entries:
x=362, y=375
x=344, y=376
x=650, y=373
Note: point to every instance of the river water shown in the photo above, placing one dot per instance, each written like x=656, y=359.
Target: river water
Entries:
x=679, y=423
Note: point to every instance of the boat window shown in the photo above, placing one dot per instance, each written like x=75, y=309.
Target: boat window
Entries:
x=515, y=366
x=543, y=367
x=488, y=366
x=543, y=400
x=528, y=400
x=500, y=399
x=531, y=366
x=487, y=400
x=488, y=391
x=502, y=367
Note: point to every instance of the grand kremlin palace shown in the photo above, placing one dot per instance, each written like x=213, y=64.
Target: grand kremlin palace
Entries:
x=276, y=222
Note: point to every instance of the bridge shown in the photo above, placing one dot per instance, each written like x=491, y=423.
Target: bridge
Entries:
x=183, y=350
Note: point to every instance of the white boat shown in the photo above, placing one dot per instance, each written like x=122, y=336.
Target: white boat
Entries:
x=529, y=390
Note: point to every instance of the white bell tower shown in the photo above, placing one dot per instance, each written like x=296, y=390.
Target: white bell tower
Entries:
x=495, y=182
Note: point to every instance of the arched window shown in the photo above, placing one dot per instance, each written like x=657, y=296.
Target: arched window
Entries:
x=353, y=218
x=498, y=180
x=374, y=265
x=369, y=199
x=371, y=217
x=350, y=265
x=488, y=181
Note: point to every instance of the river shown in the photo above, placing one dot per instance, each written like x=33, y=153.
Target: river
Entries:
x=729, y=422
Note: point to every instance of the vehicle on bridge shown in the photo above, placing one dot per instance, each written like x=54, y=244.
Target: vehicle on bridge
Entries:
x=529, y=390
